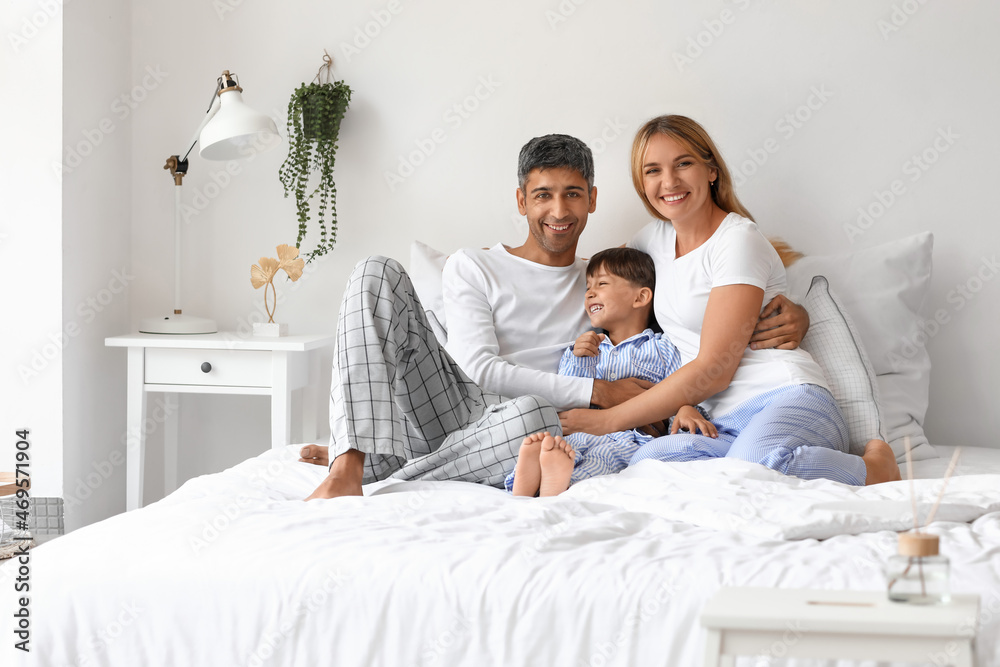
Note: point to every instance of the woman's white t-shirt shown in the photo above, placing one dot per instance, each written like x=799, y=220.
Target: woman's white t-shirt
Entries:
x=736, y=254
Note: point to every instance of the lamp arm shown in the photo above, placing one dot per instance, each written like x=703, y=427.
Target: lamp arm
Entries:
x=212, y=110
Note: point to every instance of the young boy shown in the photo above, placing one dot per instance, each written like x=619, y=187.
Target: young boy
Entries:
x=619, y=300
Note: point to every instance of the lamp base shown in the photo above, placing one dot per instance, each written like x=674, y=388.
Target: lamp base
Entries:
x=183, y=325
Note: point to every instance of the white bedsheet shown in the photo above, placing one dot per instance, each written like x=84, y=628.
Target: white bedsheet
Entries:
x=233, y=569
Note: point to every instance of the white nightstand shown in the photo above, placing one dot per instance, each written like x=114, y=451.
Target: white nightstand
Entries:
x=805, y=623
x=220, y=363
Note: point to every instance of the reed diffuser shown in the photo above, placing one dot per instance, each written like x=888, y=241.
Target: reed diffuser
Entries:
x=918, y=574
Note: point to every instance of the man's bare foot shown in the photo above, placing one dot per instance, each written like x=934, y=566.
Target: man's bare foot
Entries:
x=315, y=454
x=528, y=471
x=345, y=477
x=881, y=463
x=556, y=459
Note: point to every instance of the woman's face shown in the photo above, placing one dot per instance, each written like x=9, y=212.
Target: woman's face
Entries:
x=677, y=184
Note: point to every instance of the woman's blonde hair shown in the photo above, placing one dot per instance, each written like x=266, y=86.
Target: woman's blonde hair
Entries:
x=693, y=136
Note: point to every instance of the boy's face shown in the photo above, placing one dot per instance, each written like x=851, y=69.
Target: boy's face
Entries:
x=610, y=299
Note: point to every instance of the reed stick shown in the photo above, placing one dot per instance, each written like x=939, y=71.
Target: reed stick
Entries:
x=947, y=476
x=913, y=488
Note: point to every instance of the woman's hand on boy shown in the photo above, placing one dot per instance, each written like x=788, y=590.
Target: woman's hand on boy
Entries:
x=588, y=345
x=593, y=422
x=689, y=419
x=782, y=324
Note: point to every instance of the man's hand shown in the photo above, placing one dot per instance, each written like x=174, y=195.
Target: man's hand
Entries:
x=782, y=324
x=584, y=421
x=689, y=419
x=608, y=394
x=588, y=344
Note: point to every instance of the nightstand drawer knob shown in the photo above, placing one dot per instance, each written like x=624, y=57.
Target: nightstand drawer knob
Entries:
x=206, y=367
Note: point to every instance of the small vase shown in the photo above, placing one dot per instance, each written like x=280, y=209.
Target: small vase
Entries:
x=918, y=574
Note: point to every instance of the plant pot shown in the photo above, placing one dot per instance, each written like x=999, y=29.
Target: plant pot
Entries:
x=313, y=125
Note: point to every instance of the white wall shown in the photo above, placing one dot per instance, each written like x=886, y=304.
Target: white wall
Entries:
x=605, y=68
x=97, y=267
x=31, y=333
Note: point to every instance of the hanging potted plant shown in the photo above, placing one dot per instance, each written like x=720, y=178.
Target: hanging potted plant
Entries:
x=314, y=114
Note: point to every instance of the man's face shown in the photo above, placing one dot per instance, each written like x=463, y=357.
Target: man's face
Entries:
x=556, y=202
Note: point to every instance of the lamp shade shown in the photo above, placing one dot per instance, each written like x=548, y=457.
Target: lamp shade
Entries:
x=235, y=129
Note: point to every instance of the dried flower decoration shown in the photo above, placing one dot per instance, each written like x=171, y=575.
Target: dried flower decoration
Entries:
x=263, y=275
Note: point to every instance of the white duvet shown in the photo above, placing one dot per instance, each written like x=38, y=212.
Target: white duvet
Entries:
x=233, y=569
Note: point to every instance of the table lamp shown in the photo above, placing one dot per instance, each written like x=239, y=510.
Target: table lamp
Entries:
x=230, y=130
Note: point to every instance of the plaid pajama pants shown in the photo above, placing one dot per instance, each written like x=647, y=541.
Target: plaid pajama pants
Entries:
x=400, y=398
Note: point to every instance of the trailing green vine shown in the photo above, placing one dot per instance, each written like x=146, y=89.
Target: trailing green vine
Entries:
x=314, y=114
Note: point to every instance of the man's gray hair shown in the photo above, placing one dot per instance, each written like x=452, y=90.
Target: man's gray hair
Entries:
x=553, y=151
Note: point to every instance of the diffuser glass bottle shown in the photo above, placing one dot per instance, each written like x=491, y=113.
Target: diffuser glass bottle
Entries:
x=919, y=573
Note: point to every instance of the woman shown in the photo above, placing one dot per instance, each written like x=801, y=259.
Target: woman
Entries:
x=714, y=270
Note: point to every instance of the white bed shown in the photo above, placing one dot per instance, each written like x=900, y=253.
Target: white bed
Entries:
x=234, y=569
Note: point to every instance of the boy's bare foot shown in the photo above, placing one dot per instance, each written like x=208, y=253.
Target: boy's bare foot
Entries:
x=345, y=477
x=315, y=454
x=556, y=459
x=881, y=463
x=528, y=471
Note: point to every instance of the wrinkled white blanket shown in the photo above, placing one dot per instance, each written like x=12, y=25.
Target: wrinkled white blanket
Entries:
x=233, y=569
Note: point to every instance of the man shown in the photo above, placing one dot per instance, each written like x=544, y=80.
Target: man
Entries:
x=401, y=406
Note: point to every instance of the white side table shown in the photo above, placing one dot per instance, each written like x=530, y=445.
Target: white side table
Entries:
x=805, y=623
x=220, y=363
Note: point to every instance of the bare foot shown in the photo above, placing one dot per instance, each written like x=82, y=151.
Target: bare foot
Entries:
x=528, y=471
x=315, y=454
x=881, y=463
x=345, y=477
x=556, y=459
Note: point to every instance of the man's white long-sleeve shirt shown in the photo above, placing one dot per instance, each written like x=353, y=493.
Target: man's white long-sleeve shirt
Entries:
x=509, y=320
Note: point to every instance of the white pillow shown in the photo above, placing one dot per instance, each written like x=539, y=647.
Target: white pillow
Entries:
x=884, y=288
x=426, y=265
x=834, y=343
